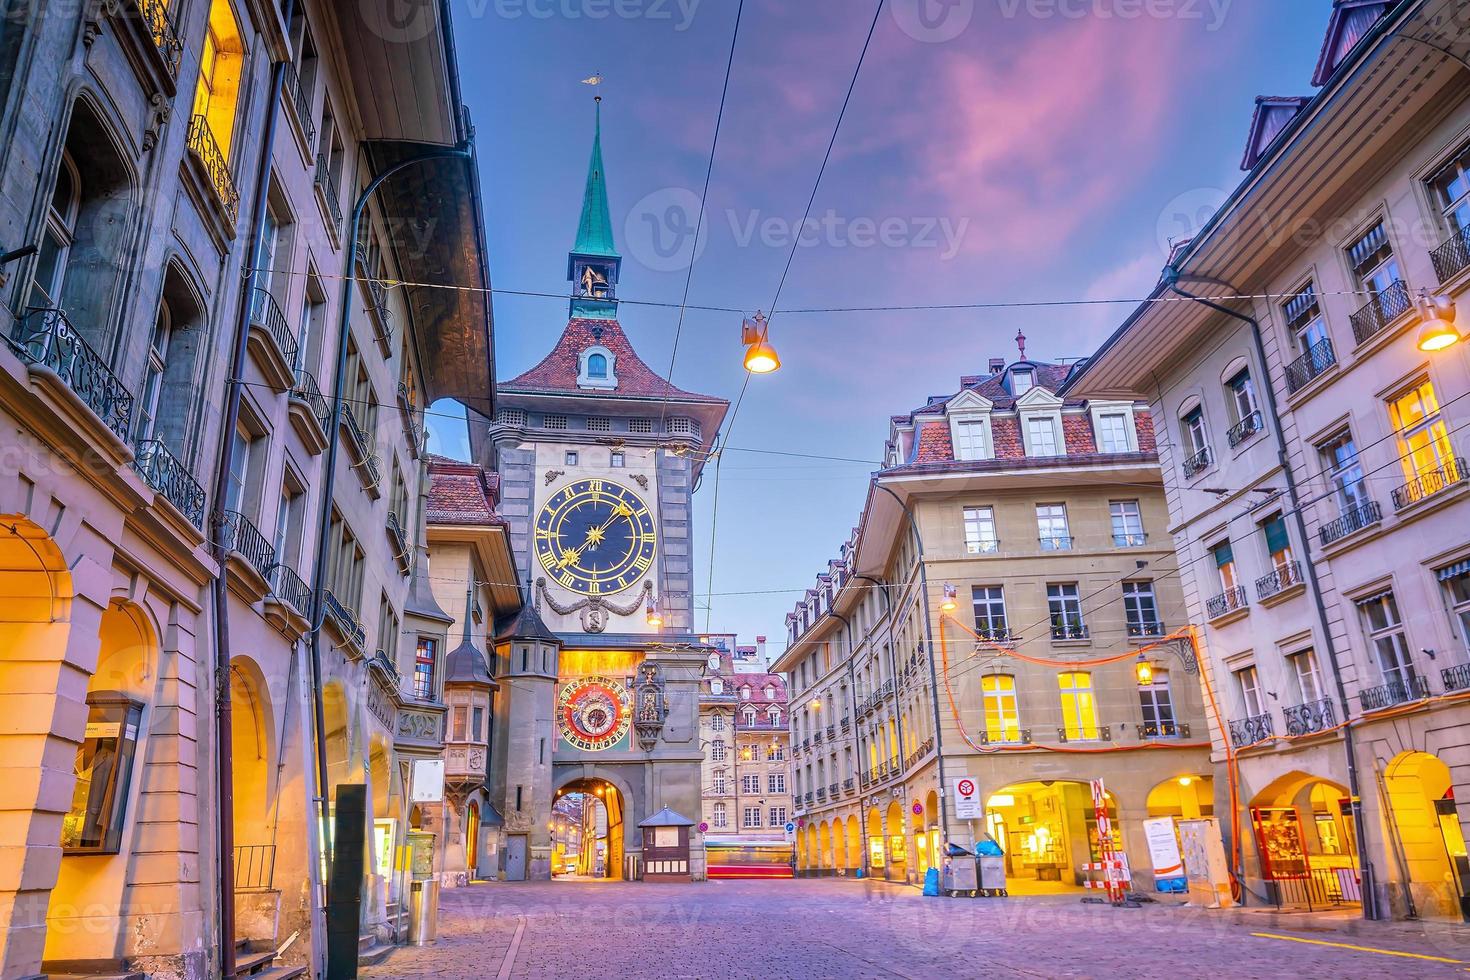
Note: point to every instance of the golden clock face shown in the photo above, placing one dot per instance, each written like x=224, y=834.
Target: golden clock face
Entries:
x=595, y=537
x=593, y=713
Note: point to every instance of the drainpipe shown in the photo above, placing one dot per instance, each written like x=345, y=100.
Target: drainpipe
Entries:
x=1370, y=896
x=219, y=588
x=933, y=672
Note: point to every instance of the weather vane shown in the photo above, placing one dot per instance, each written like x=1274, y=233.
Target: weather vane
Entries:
x=1021, y=343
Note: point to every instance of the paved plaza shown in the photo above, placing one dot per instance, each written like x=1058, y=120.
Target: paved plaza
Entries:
x=841, y=928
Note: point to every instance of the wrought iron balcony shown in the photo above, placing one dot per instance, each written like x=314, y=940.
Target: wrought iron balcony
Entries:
x=245, y=540
x=305, y=390
x=1163, y=729
x=47, y=338
x=1056, y=542
x=1399, y=690
x=1249, y=731
x=865, y=778
x=1006, y=736
x=1279, y=579
x=832, y=790
x=1355, y=519
x=821, y=793
x=326, y=185
x=162, y=471
x=165, y=33
x=1315, y=360
x=266, y=313
x=1140, y=628
x=1068, y=630
x=885, y=690
x=204, y=146
x=1456, y=678
x=849, y=785
x=1381, y=310
x=1129, y=540
x=396, y=534
x=301, y=102
x=1095, y=733
x=1451, y=258
x=832, y=732
x=995, y=634
x=1196, y=464
x=1429, y=482
x=287, y=586
x=846, y=723
x=817, y=737
x=1227, y=602
x=1309, y=718
x=345, y=620
x=1245, y=428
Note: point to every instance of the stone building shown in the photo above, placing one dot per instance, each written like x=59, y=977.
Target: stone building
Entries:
x=747, y=750
x=598, y=458
x=1313, y=460
x=984, y=622
x=194, y=162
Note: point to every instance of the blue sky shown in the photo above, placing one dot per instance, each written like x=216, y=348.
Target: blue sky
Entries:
x=994, y=150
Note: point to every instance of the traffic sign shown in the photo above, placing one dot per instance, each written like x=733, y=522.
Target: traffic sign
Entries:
x=966, y=798
x=790, y=828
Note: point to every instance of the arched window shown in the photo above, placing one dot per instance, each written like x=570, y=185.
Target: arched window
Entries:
x=717, y=723
x=56, y=239
x=597, y=366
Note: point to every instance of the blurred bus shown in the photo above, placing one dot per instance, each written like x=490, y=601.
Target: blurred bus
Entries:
x=737, y=858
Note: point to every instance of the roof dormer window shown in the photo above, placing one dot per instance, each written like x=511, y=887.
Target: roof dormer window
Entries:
x=1022, y=381
x=596, y=368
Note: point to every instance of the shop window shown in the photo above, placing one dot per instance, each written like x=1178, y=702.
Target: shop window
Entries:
x=104, y=770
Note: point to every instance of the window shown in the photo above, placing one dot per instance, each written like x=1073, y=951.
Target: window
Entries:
x=459, y=723
x=719, y=783
x=554, y=422
x=1386, y=636
x=1127, y=524
x=717, y=752
x=750, y=783
x=1450, y=188
x=716, y=722
x=1112, y=433
x=773, y=716
x=990, y=612
x=1079, y=708
x=477, y=724
x=425, y=666
x=617, y=460
x=1157, y=706
x=1002, y=713
x=1022, y=381
x=596, y=366
x=776, y=782
x=980, y=536
x=1042, y=433
x=157, y=364
x=1459, y=595
x=1196, y=440
x=241, y=444
x=778, y=816
x=104, y=772
x=1249, y=684
x=1225, y=565
x=640, y=426
x=1376, y=269
x=1278, y=543
x=1308, y=676
x=720, y=814
x=1423, y=442
x=745, y=692
x=571, y=457
x=1309, y=333
x=1051, y=526
x=1345, y=471
x=220, y=70
x=1242, y=396
x=752, y=817
x=747, y=715
x=58, y=235
x=289, y=519
x=769, y=692
x=776, y=753
x=972, y=439
x=1064, y=604
x=717, y=686
x=1141, y=609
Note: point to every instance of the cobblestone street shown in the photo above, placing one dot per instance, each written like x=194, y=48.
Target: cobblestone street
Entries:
x=839, y=928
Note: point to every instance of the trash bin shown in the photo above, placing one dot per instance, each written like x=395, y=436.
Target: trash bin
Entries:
x=959, y=875
x=423, y=911
x=992, y=868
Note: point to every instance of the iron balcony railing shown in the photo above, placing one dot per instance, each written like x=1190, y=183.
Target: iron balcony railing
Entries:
x=1068, y=630
x=306, y=391
x=266, y=313
x=1056, y=542
x=1227, y=602
x=821, y=793
x=346, y=620
x=396, y=533
x=1451, y=258
x=1006, y=736
x=47, y=338
x=817, y=737
x=1245, y=428
x=849, y=785
x=301, y=102
x=1095, y=733
x=245, y=540
x=1352, y=520
x=1129, y=540
x=1399, y=690
x=162, y=471
x=204, y=146
x=165, y=33
x=846, y=723
x=885, y=690
x=865, y=778
x=287, y=586
x=1456, y=678
x=1249, y=731
x=1143, y=628
x=985, y=546
x=1381, y=310
x=1279, y=579
x=1429, y=483
x=832, y=732
x=1309, y=718
x=1315, y=360
x=327, y=184
x=832, y=790
x=255, y=867
x=1197, y=463
x=1163, y=729
x=995, y=634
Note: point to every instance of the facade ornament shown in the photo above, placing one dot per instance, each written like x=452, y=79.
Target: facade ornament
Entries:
x=650, y=708
x=641, y=480
x=552, y=475
x=595, y=610
x=159, y=110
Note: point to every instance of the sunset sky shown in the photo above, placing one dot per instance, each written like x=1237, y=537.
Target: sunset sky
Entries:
x=1047, y=150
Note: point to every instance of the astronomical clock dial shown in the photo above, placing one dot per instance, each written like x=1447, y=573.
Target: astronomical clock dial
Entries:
x=595, y=537
x=593, y=713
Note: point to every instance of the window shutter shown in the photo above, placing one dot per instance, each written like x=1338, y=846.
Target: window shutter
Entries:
x=1276, y=536
x=1224, y=555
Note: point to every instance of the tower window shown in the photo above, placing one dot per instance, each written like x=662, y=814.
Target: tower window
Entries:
x=596, y=366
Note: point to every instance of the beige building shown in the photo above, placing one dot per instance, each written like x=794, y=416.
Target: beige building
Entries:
x=1316, y=480
x=983, y=623
x=162, y=552
x=743, y=730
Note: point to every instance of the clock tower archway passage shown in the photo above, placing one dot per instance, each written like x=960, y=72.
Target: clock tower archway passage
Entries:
x=592, y=812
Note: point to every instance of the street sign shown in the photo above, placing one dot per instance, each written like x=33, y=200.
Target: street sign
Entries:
x=790, y=828
x=966, y=799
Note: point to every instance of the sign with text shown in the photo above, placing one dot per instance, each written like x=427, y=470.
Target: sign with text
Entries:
x=966, y=798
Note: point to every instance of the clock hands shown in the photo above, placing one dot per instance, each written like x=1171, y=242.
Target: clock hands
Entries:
x=594, y=536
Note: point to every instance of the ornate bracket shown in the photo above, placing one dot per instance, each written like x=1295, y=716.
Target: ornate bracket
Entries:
x=594, y=609
x=649, y=709
x=551, y=476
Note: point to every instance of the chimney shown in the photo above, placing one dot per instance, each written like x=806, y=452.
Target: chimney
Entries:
x=760, y=649
x=997, y=365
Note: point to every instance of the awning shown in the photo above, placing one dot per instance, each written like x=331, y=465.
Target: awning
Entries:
x=1453, y=571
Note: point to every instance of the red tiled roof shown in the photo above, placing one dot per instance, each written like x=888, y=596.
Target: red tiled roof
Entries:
x=934, y=443
x=757, y=682
x=558, y=371
x=461, y=493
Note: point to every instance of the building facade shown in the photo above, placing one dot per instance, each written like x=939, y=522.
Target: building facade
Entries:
x=172, y=373
x=1315, y=482
x=743, y=730
x=985, y=622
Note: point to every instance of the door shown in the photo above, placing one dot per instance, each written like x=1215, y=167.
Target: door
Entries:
x=515, y=858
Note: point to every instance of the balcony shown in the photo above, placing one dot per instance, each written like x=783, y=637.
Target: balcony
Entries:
x=846, y=723
x=271, y=340
x=1402, y=689
x=832, y=791
x=1056, y=542
x=310, y=415
x=169, y=478
x=1249, y=731
x=1245, y=428
x=985, y=546
x=47, y=339
x=821, y=794
x=1069, y=630
x=1352, y=520
x=1006, y=736
x=1278, y=580
x=326, y=189
x=344, y=621
x=1452, y=257
x=817, y=737
x=885, y=691
x=1139, y=629
x=995, y=634
x=1380, y=311
x=1097, y=733
x=1198, y=463
x=159, y=20
x=849, y=786
x=1226, y=603
x=832, y=733
x=1313, y=363
x=1129, y=540
x=300, y=101
x=399, y=539
x=1456, y=678
x=289, y=587
x=366, y=463
x=1430, y=482
x=206, y=150
x=245, y=540
x=1163, y=729
x=1309, y=718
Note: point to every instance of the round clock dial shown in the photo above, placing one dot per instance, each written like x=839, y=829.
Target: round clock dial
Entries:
x=593, y=713
x=595, y=537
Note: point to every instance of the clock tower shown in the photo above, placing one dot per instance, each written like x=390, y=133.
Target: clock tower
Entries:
x=599, y=458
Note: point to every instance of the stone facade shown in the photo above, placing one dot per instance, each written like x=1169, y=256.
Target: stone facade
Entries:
x=747, y=749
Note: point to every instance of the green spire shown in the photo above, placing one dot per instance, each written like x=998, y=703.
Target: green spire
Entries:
x=594, y=231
